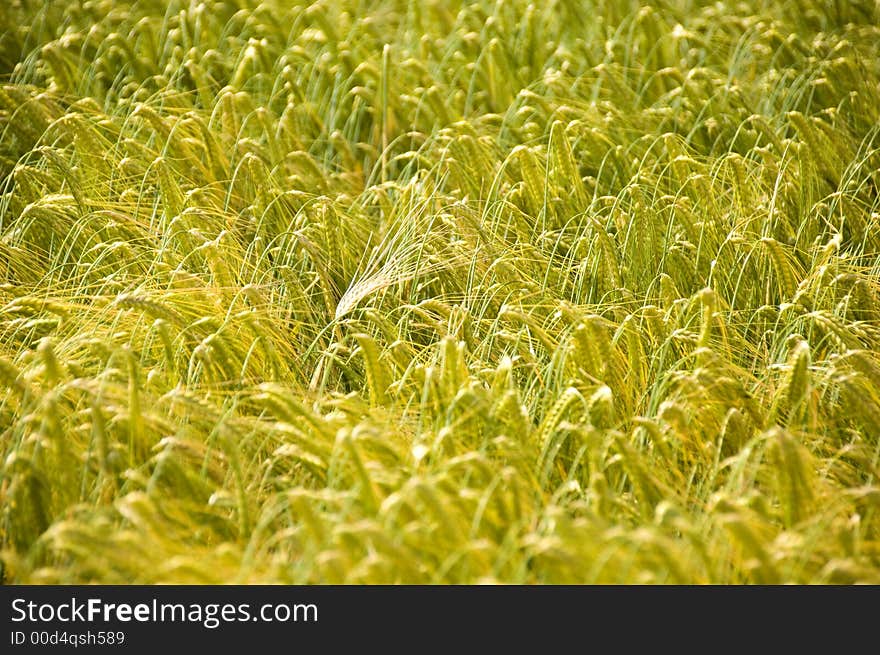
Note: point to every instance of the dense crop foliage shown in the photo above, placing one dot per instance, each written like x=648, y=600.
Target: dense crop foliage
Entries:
x=437, y=292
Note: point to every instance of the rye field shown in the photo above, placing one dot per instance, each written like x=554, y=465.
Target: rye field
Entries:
x=440, y=292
